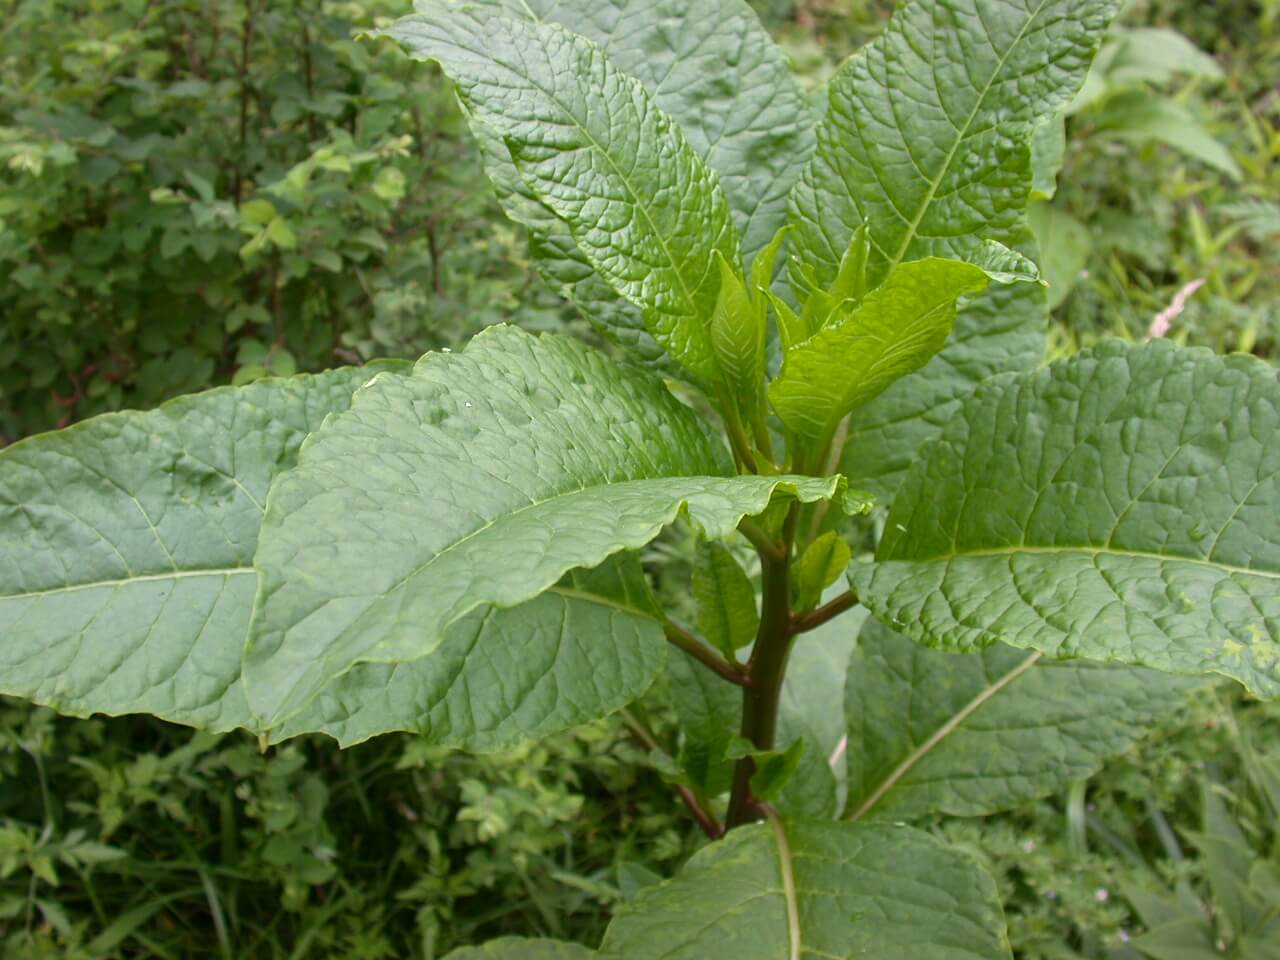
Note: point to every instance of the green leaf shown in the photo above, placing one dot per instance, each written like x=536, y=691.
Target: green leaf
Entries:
x=746, y=115
x=971, y=734
x=926, y=136
x=519, y=948
x=801, y=888
x=126, y=549
x=502, y=677
x=1001, y=329
x=1048, y=148
x=764, y=264
x=1138, y=116
x=1066, y=244
x=814, y=682
x=1120, y=505
x=791, y=328
x=818, y=567
x=738, y=338
x=644, y=209
x=895, y=330
x=708, y=710
x=482, y=478
x=726, y=601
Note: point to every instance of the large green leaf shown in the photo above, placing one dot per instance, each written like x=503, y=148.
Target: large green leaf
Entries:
x=927, y=131
x=972, y=734
x=896, y=329
x=708, y=709
x=715, y=70
x=810, y=889
x=518, y=948
x=809, y=709
x=482, y=478
x=1120, y=505
x=501, y=677
x=126, y=548
x=1000, y=330
x=593, y=147
x=713, y=67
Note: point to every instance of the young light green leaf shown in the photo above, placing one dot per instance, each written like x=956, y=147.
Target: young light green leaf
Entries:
x=763, y=266
x=738, y=339
x=126, y=548
x=643, y=207
x=821, y=564
x=999, y=330
x=967, y=735
x=925, y=139
x=895, y=330
x=791, y=328
x=807, y=888
x=726, y=601
x=1119, y=505
x=482, y=478
x=501, y=677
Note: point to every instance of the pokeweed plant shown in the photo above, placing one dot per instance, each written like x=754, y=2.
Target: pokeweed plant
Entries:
x=450, y=548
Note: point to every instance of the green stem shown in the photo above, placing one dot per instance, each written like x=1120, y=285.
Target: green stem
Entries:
x=738, y=436
x=766, y=670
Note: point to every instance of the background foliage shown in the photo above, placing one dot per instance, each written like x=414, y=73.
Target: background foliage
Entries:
x=203, y=192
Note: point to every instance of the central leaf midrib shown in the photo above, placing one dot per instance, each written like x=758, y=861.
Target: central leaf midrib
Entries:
x=127, y=581
x=962, y=135
x=1090, y=551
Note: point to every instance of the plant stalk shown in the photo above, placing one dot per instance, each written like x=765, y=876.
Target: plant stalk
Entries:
x=828, y=611
x=766, y=670
x=730, y=670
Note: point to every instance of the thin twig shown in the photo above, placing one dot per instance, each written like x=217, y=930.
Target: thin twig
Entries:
x=731, y=671
x=706, y=820
x=828, y=611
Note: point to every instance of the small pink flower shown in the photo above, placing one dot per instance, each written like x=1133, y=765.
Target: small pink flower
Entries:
x=1161, y=322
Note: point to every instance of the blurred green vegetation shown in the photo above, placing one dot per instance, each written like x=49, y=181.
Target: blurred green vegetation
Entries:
x=206, y=191
x=200, y=191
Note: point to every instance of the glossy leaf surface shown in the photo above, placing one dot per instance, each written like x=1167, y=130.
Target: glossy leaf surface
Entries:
x=896, y=329
x=927, y=132
x=712, y=66
x=594, y=148
x=1000, y=330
